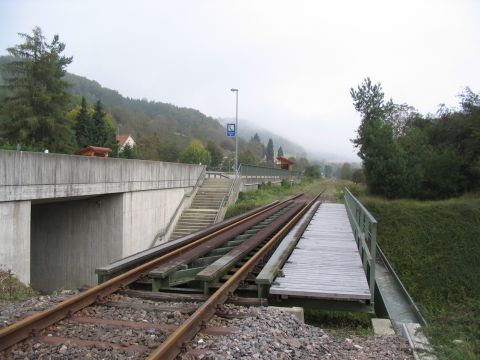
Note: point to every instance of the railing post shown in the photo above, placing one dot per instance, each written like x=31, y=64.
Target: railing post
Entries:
x=373, y=253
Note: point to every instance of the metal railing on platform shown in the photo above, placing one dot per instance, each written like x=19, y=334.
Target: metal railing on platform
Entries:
x=217, y=175
x=229, y=197
x=364, y=228
x=261, y=171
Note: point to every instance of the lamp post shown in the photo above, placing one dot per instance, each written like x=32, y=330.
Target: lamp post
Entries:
x=236, y=131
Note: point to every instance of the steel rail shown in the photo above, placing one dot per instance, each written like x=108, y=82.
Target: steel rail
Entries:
x=31, y=325
x=176, y=342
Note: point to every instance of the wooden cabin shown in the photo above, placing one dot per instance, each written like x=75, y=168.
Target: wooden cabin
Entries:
x=284, y=163
x=97, y=151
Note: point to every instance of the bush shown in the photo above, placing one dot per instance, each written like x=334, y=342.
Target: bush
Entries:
x=11, y=289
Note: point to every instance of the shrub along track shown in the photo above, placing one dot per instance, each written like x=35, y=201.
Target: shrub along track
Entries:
x=101, y=305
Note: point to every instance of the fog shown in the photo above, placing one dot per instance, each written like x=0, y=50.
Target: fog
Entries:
x=292, y=61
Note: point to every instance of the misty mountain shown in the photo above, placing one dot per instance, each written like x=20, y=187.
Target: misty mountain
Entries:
x=248, y=129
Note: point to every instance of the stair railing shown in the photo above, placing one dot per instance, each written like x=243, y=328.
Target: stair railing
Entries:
x=232, y=191
x=160, y=235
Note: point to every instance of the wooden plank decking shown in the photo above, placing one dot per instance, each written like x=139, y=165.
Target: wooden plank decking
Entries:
x=326, y=263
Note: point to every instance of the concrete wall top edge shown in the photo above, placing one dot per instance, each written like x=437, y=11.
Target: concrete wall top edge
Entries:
x=49, y=171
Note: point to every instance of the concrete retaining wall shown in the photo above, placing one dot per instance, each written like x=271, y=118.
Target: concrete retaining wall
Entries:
x=15, y=238
x=30, y=176
x=70, y=239
x=82, y=235
x=63, y=215
x=147, y=213
x=251, y=183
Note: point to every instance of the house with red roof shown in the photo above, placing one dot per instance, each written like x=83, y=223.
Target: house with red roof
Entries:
x=124, y=139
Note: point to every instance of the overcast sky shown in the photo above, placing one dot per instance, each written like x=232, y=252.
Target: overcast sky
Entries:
x=293, y=61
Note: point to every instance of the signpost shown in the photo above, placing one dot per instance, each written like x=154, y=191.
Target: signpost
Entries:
x=235, y=128
x=231, y=130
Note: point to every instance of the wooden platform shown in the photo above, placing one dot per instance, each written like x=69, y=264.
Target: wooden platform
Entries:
x=326, y=263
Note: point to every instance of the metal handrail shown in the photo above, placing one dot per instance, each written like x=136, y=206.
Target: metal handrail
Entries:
x=255, y=170
x=364, y=227
x=166, y=228
x=226, y=198
x=217, y=173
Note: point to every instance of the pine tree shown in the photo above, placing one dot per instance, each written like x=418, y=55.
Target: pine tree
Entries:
x=270, y=152
x=256, y=147
x=83, y=126
x=35, y=112
x=280, y=151
x=99, y=136
x=128, y=152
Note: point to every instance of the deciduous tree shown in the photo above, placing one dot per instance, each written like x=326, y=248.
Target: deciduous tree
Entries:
x=195, y=153
x=328, y=171
x=247, y=157
x=312, y=171
x=216, y=154
x=346, y=171
x=358, y=176
x=383, y=159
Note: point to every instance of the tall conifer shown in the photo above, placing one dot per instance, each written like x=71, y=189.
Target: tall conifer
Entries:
x=35, y=111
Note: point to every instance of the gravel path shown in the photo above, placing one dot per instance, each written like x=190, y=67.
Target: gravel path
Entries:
x=262, y=333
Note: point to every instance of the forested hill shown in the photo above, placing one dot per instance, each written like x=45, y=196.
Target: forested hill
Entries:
x=163, y=130
x=148, y=121
x=142, y=117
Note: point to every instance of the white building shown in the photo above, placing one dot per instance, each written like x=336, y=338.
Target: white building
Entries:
x=124, y=139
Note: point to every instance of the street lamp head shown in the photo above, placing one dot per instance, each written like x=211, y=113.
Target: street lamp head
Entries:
x=233, y=89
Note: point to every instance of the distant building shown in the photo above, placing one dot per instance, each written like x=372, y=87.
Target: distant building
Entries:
x=97, y=151
x=284, y=163
x=124, y=139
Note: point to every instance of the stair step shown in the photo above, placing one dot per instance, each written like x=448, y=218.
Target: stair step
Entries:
x=191, y=217
x=200, y=221
x=204, y=207
x=220, y=198
x=194, y=222
x=207, y=201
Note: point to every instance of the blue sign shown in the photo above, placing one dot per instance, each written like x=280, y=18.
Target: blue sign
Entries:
x=231, y=131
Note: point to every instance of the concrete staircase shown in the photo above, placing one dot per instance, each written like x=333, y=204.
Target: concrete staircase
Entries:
x=204, y=207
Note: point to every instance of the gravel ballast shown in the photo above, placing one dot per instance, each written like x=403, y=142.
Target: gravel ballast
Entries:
x=261, y=333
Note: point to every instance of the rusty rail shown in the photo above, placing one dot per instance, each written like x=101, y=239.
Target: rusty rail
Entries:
x=31, y=325
x=176, y=342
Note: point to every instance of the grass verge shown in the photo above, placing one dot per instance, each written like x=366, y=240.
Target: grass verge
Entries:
x=268, y=193
x=435, y=248
x=340, y=323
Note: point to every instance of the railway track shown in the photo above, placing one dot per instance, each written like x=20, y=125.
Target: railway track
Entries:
x=206, y=272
